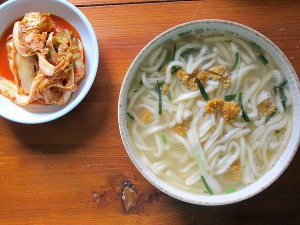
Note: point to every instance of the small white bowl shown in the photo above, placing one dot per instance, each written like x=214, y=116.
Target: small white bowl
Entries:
x=285, y=158
x=10, y=11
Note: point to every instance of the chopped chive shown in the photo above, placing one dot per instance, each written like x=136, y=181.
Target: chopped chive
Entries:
x=283, y=99
x=188, y=52
x=240, y=99
x=156, y=89
x=275, y=89
x=284, y=82
x=237, y=56
x=263, y=59
x=229, y=98
x=206, y=185
x=202, y=89
x=164, y=139
x=161, y=67
x=175, y=69
x=282, y=95
x=276, y=131
x=169, y=57
x=244, y=114
x=259, y=52
x=183, y=33
x=283, y=102
x=159, y=99
x=271, y=115
x=130, y=116
x=174, y=51
x=230, y=190
x=281, y=92
x=256, y=47
x=245, y=117
x=167, y=60
x=198, y=160
x=169, y=96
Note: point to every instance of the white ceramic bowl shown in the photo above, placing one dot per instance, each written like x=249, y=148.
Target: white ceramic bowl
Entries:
x=32, y=114
x=285, y=158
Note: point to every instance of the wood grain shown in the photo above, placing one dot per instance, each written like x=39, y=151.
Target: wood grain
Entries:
x=70, y=171
x=113, y=2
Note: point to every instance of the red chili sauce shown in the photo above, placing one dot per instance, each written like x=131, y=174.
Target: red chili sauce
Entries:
x=59, y=24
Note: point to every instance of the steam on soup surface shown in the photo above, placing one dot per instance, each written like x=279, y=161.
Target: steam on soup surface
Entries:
x=209, y=114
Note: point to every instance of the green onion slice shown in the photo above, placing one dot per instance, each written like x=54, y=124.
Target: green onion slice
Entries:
x=237, y=56
x=188, y=52
x=198, y=160
x=169, y=57
x=229, y=98
x=183, y=33
x=159, y=99
x=167, y=60
x=283, y=102
x=169, y=96
x=256, y=47
x=259, y=53
x=161, y=67
x=202, y=89
x=245, y=117
x=130, y=116
x=283, y=84
x=174, y=51
x=206, y=185
x=281, y=92
x=164, y=139
x=271, y=115
x=244, y=114
x=275, y=89
x=230, y=190
x=175, y=69
x=263, y=59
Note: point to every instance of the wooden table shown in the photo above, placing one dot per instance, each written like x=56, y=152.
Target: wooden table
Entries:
x=70, y=171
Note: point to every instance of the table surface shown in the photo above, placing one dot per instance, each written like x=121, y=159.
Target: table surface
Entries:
x=70, y=171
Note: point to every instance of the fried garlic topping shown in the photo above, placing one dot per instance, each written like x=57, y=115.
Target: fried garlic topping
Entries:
x=146, y=116
x=217, y=73
x=266, y=107
x=235, y=171
x=180, y=129
x=230, y=111
x=165, y=89
x=219, y=69
x=213, y=105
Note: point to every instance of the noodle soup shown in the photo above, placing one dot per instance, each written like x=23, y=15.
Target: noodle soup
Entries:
x=209, y=113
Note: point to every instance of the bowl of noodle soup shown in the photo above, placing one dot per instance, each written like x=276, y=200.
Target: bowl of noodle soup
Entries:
x=209, y=112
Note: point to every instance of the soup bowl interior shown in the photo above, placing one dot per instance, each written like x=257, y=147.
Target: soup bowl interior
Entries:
x=283, y=64
x=35, y=113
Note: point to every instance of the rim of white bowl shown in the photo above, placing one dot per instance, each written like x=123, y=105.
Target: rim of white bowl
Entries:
x=89, y=77
x=263, y=182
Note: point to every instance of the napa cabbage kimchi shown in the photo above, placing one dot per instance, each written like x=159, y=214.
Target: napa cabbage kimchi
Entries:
x=47, y=63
